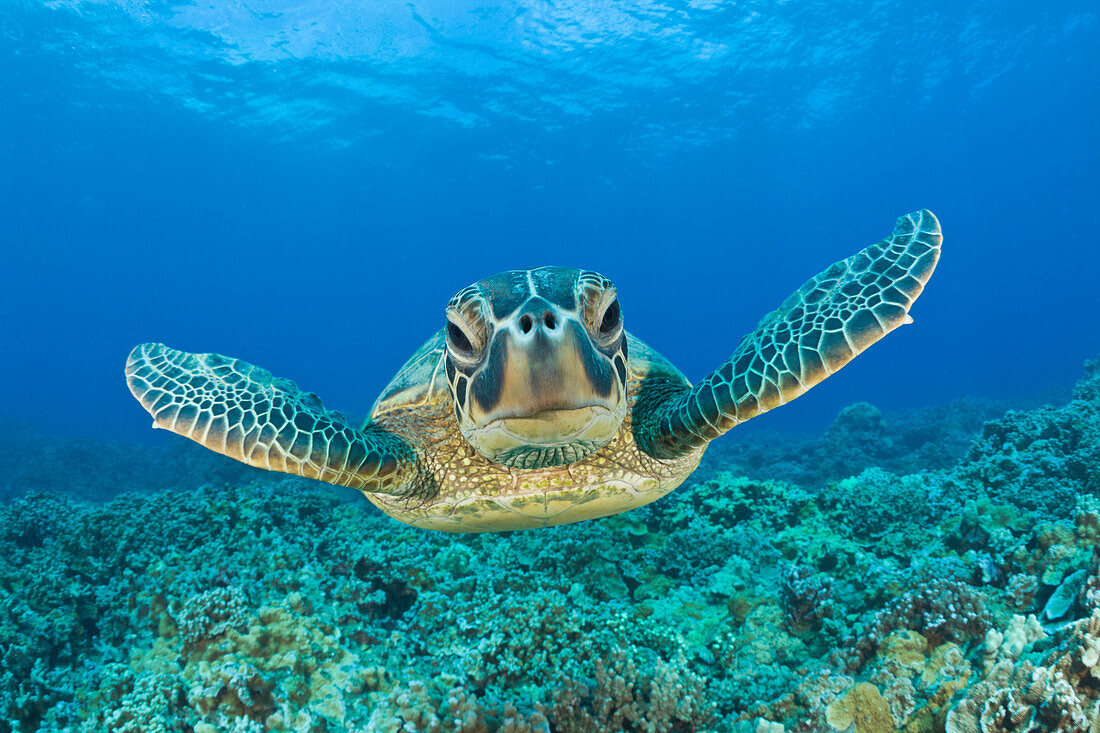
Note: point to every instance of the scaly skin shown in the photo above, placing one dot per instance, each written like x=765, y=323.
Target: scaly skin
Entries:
x=474, y=494
x=822, y=326
x=412, y=460
x=242, y=411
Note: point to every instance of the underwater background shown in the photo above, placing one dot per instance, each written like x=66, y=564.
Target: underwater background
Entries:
x=912, y=546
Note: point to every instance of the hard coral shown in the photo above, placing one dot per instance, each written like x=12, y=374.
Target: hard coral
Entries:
x=138, y=703
x=1061, y=693
x=208, y=615
x=942, y=610
x=285, y=665
x=876, y=502
x=861, y=437
x=808, y=597
x=1021, y=589
x=1039, y=460
x=444, y=705
x=667, y=698
x=861, y=709
x=1088, y=388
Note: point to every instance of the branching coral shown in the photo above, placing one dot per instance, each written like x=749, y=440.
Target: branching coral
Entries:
x=626, y=699
x=445, y=706
x=808, y=597
x=941, y=610
x=210, y=614
x=138, y=703
x=1061, y=693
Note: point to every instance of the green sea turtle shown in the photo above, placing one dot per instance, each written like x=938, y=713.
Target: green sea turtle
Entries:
x=532, y=406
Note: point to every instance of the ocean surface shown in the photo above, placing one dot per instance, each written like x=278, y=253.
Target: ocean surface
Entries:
x=911, y=546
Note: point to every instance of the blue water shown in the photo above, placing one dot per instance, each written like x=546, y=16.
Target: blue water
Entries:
x=305, y=184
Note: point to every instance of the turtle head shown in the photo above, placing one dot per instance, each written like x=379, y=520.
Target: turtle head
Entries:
x=536, y=361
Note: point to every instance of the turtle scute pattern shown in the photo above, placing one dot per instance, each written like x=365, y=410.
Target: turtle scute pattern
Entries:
x=242, y=411
x=817, y=330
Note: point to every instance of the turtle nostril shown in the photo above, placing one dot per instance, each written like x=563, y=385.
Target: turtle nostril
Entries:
x=525, y=323
x=549, y=320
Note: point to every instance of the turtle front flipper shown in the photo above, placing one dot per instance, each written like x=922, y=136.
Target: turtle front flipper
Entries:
x=242, y=411
x=817, y=330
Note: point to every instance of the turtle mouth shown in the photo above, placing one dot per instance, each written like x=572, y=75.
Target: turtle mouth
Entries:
x=551, y=427
x=546, y=457
x=549, y=437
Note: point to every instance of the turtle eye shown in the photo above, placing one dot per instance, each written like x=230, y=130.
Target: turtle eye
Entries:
x=611, y=318
x=459, y=340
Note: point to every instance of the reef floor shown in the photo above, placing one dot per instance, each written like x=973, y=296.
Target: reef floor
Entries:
x=936, y=571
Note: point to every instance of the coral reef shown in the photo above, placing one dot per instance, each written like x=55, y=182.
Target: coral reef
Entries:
x=1061, y=692
x=868, y=592
x=669, y=698
x=95, y=469
x=861, y=437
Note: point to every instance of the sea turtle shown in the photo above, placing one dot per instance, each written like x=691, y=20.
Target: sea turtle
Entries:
x=532, y=406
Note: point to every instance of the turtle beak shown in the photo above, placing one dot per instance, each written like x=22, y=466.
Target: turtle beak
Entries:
x=543, y=365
